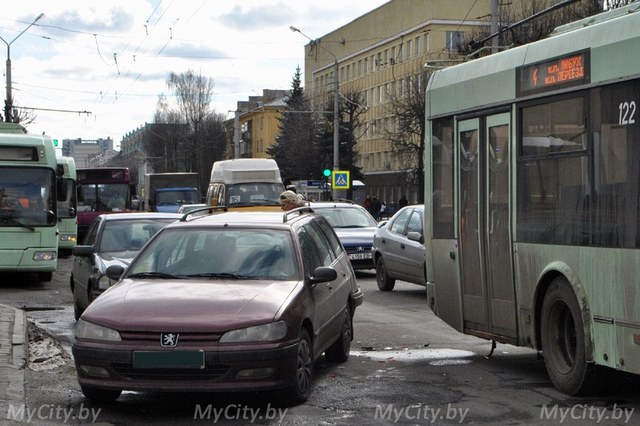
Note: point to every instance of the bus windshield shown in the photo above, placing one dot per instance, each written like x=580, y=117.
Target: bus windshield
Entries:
x=103, y=197
x=27, y=197
x=251, y=194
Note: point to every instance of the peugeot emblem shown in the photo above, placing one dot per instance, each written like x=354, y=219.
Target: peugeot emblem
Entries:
x=169, y=340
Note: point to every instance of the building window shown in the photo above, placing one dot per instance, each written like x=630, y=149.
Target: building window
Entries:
x=454, y=40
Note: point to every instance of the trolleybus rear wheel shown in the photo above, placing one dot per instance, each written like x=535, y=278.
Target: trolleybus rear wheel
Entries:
x=563, y=341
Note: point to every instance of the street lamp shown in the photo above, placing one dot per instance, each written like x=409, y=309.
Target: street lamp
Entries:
x=8, y=103
x=336, y=96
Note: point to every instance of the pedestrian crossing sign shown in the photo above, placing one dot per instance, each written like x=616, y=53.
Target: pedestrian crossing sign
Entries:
x=340, y=179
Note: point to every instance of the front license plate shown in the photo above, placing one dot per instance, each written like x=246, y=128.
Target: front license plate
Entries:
x=358, y=256
x=168, y=359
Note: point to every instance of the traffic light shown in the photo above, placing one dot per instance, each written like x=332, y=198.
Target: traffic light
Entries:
x=326, y=172
x=55, y=142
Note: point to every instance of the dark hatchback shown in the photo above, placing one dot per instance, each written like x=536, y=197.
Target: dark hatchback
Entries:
x=233, y=301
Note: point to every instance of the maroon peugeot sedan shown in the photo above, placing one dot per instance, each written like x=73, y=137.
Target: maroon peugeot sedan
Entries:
x=231, y=301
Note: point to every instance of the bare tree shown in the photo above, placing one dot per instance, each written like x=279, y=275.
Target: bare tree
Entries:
x=407, y=130
x=189, y=136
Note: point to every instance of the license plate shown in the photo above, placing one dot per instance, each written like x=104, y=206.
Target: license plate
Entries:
x=358, y=256
x=168, y=359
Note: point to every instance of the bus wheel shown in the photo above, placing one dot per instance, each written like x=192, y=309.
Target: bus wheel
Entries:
x=563, y=341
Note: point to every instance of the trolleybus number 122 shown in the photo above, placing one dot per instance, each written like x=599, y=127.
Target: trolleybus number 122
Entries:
x=627, y=113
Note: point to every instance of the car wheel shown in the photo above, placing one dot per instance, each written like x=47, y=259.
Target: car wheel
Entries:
x=303, y=368
x=563, y=341
x=339, y=351
x=385, y=282
x=102, y=395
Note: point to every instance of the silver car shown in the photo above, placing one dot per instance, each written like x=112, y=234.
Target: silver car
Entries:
x=111, y=239
x=398, y=248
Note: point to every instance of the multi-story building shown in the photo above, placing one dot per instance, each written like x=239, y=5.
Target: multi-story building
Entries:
x=89, y=153
x=380, y=55
x=255, y=125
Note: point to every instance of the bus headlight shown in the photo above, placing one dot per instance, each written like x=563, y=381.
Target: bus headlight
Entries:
x=68, y=238
x=44, y=255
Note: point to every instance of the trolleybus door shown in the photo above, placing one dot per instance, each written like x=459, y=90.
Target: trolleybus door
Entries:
x=486, y=268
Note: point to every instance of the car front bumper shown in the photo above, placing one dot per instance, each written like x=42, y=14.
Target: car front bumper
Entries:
x=237, y=370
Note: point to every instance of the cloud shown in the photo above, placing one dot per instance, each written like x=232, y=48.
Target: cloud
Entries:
x=258, y=18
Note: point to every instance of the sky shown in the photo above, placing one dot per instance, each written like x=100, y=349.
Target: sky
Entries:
x=95, y=69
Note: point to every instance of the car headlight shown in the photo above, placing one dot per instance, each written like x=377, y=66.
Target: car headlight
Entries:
x=89, y=330
x=259, y=333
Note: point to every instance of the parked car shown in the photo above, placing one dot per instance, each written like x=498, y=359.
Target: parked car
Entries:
x=398, y=248
x=113, y=238
x=231, y=301
x=355, y=227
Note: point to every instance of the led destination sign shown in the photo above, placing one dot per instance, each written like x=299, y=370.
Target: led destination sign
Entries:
x=565, y=71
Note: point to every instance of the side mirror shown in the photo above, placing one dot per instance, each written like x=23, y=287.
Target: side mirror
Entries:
x=114, y=272
x=415, y=236
x=323, y=274
x=82, y=250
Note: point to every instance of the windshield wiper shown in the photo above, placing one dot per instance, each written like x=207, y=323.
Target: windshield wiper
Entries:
x=9, y=220
x=217, y=275
x=154, y=275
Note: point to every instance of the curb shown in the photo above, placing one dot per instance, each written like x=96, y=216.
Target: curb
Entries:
x=13, y=357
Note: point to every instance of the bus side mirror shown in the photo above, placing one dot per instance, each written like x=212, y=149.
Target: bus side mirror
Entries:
x=61, y=189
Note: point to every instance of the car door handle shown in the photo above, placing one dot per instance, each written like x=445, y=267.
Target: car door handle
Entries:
x=402, y=246
x=329, y=286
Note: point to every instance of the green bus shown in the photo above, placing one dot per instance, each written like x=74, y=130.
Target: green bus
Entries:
x=532, y=198
x=29, y=185
x=67, y=206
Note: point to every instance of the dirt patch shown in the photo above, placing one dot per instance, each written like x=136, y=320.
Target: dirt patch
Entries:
x=45, y=352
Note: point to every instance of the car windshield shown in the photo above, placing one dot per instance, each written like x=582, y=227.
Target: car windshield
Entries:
x=218, y=253
x=129, y=235
x=346, y=217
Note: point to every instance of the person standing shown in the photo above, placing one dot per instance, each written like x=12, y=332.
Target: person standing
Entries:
x=376, y=206
x=403, y=202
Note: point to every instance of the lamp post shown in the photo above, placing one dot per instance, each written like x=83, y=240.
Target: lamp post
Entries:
x=8, y=103
x=336, y=96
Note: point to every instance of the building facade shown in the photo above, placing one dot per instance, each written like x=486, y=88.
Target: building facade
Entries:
x=381, y=55
x=89, y=153
x=256, y=125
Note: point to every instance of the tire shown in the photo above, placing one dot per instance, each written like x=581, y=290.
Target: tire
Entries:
x=339, y=350
x=102, y=395
x=563, y=341
x=303, y=369
x=385, y=282
x=77, y=310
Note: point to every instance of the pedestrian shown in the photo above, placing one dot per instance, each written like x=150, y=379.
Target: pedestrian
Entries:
x=403, y=202
x=376, y=206
x=383, y=209
x=290, y=200
x=367, y=203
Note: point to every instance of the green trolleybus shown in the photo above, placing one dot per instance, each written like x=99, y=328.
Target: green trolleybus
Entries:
x=28, y=194
x=67, y=206
x=533, y=197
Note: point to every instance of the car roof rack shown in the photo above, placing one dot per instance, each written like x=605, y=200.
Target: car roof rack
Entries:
x=210, y=209
x=297, y=211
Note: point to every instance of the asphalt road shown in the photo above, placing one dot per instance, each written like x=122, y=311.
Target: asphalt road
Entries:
x=406, y=367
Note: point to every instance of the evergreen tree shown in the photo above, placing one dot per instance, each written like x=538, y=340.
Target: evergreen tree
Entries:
x=293, y=149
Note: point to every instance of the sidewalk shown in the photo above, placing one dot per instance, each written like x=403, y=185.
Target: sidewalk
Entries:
x=13, y=357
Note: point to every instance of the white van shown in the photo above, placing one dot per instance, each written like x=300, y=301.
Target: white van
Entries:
x=245, y=182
